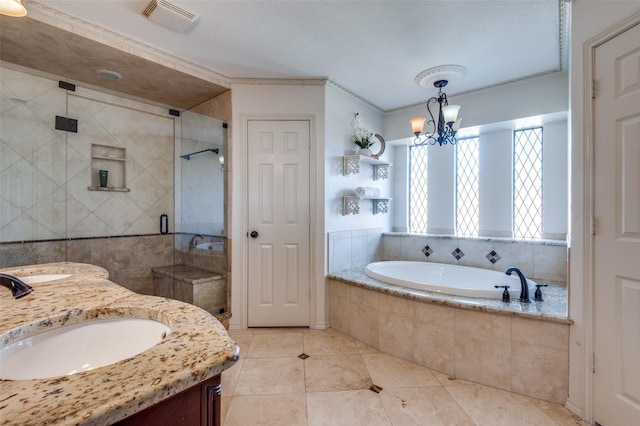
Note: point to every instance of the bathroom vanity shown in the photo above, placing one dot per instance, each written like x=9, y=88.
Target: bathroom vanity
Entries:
x=176, y=381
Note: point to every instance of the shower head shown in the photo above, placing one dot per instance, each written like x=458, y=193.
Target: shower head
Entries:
x=188, y=156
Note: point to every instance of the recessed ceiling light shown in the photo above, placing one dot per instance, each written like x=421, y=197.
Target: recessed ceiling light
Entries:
x=109, y=75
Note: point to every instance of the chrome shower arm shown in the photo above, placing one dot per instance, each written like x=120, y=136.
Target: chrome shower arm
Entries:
x=188, y=156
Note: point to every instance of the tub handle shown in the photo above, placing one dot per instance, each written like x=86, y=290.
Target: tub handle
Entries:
x=538, y=294
x=506, y=297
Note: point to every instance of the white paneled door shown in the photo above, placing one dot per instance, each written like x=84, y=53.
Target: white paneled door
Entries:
x=278, y=233
x=616, y=261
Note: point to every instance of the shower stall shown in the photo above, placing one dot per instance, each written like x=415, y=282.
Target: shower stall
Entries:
x=95, y=177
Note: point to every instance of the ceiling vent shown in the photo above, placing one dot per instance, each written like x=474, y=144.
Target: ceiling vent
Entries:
x=171, y=16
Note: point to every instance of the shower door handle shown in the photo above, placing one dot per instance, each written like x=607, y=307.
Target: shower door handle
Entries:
x=254, y=234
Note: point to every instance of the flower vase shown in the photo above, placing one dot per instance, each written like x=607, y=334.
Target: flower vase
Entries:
x=364, y=152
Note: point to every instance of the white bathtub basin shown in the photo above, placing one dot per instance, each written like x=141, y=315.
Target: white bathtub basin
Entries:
x=79, y=347
x=454, y=280
x=35, y=279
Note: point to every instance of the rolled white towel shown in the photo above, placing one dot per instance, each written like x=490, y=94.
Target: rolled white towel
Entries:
x=367, y=192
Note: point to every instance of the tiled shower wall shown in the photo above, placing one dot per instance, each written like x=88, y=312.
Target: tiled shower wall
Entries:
x=545, y=260
x=128, y=259
x=46, y=172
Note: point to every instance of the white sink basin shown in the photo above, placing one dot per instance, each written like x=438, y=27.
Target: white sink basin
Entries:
x=79, y=347
x=35, y=279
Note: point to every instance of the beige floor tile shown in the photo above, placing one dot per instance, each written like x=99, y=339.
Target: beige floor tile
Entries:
x=244, y=340
x=388, y=371
x=347, y=408
x=335, y=373
x=431, y=406
x=494, y=407
x=267, y=344
x=230, y=378
x=328, y=342
x=363, y=348
x=270, y=375
x=447, y=380
x=225, y=401
x=267, y=410
x=558, y=413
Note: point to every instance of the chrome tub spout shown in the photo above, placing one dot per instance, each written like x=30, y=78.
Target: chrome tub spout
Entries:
x=524, y=287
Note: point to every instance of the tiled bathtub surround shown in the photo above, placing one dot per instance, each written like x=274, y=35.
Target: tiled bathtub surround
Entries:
x=509, y=352
x=545, y=260
x=348, y=249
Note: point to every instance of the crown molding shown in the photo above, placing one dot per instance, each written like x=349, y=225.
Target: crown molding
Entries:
x=302, y=81
x=349, y=93
x=64, y=21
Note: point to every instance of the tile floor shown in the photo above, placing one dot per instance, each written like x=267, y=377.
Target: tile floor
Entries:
x=271, y=385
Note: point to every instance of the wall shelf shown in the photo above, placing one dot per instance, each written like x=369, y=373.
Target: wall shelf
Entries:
x=351, y=165
x=351, y=204
x=108, y=189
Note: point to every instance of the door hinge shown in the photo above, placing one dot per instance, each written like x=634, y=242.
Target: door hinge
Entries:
x=66, y=124
x=593, y=225
x=593, y=362
x=593, y=89
x=66, y=86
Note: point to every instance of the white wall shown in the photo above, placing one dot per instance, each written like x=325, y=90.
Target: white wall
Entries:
x=276, y=101
x=584, y=27
x=339, y=113
x=527, y=98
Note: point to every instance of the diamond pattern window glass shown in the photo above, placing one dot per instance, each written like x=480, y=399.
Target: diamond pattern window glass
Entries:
x=418, y=189
x=527, y=184
x=467, y=187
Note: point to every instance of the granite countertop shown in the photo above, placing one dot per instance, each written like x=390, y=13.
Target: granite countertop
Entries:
x=197, y=349
x=553, y=308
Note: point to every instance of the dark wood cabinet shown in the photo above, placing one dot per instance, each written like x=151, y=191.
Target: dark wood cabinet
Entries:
x=197, y=406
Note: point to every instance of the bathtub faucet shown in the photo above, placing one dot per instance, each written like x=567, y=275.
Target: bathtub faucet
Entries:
x=18, y=288
x=192, y=243
x=524, y=287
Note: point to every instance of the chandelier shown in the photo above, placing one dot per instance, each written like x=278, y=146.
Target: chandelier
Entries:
x=443, y=131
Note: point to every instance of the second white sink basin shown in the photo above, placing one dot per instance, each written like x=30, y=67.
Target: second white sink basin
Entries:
x=79, y=347
x=35, y=279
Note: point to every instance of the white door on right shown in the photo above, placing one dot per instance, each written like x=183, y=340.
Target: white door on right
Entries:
x=616, y=257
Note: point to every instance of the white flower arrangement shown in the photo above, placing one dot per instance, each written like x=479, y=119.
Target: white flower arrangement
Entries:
x=361, y=137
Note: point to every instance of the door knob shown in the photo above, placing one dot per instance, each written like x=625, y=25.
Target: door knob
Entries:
x=254, y=234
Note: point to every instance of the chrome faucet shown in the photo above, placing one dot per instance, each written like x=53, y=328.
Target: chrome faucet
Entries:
x=192, y=243
x=524, y=287
x=18, y=288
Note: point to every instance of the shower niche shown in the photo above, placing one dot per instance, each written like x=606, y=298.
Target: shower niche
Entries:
x=108, y=168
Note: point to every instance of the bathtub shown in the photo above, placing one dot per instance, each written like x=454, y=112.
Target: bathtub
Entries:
x=448, y=279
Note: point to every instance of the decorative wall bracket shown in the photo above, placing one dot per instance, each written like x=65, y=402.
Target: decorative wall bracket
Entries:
x=350, y=205
x=351, y=165
x=381, y=205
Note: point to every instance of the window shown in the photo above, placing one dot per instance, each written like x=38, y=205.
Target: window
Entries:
x=467, y=187
x=527, y=184
x=418, y=189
